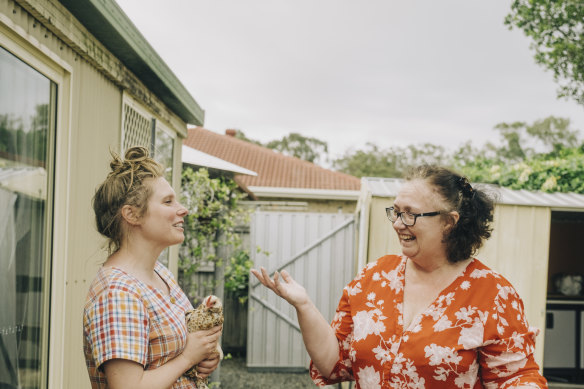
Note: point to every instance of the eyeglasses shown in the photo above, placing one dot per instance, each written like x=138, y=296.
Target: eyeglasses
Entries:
x=407, y=218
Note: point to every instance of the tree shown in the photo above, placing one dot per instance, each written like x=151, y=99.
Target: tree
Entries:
x=369, y=162
x=391, y=162
x=560, y=171
x=300, y=146
x=296, y=145
x=240, y=135
x=521, y=140
x=556, y=28
x=539, y=156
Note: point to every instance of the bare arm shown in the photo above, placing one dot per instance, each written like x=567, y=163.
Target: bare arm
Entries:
x=319, y=337
x=126, y=374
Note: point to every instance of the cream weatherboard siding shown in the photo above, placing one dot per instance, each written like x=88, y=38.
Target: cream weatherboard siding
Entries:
x=92, y=85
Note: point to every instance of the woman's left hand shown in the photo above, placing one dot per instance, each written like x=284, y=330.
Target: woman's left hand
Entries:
x=207, y=366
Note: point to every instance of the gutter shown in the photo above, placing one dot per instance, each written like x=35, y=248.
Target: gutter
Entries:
x=111, y=26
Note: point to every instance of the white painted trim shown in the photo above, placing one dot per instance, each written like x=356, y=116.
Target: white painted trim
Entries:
x=305, y=193
x=196, y=157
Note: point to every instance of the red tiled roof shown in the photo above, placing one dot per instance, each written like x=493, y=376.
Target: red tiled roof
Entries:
x=274, y=169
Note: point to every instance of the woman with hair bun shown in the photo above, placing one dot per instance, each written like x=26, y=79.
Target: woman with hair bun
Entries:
x=135, y=334
x=433, y=317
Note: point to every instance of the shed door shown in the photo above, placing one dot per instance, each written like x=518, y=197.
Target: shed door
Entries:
x=318, y=250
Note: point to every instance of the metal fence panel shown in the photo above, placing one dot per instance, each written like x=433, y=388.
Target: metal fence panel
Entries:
x=318, y=250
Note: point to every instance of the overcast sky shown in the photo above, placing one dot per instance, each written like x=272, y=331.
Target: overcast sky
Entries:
x=350, y=72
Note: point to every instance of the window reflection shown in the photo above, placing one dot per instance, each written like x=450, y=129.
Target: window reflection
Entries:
x=163, y=151
x=26, y=105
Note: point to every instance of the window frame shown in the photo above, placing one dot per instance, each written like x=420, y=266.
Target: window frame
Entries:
x=42, y=59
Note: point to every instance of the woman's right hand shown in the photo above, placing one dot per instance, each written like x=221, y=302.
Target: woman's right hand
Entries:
x=286, y=287
x=201, y=344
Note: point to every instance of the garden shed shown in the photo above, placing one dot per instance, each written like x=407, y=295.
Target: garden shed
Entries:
x=535, y=239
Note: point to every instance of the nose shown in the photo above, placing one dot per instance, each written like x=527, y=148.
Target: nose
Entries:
x=398, y=223
x=182, y=211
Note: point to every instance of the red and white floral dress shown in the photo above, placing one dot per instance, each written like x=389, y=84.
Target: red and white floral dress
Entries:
x=474, y=335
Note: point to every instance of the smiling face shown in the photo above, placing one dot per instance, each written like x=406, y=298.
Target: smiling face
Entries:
x=163, y=222
x=424, y=239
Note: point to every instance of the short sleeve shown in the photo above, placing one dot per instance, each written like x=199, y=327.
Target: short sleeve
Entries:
x=506, y=358
x=342, y=323
x=117, y=327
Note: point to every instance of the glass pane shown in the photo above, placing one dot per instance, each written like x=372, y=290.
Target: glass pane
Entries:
x=26, y=104
x=163, y=153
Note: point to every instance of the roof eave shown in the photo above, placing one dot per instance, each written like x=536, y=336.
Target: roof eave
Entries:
x=110, y=25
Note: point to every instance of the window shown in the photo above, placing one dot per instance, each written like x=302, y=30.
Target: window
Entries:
x=27, y=128
x=141, y=129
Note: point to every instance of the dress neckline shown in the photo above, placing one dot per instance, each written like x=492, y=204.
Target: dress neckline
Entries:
x=442, y=295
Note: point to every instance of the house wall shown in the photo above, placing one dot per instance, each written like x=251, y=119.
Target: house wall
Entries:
x=518, y=249
x=89, y=104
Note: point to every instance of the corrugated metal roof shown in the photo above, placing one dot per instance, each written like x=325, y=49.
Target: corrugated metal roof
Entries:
x=388, y=187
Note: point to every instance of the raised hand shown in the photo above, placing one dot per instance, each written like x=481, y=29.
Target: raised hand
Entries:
x=283, y=286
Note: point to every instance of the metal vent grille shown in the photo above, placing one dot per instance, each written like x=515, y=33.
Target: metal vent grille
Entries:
x=137, y=129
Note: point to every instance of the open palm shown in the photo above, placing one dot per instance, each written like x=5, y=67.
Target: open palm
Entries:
x=283, y=285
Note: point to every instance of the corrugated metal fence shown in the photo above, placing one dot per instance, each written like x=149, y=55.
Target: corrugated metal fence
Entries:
x=318, y=250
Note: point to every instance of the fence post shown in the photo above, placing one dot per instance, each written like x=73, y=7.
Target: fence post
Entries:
x=223, y=252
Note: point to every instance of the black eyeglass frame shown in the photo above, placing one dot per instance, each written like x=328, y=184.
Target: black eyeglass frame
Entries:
x=389, y=210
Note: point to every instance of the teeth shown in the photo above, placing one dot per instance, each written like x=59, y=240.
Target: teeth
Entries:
x=406, y=237
x=179, y=224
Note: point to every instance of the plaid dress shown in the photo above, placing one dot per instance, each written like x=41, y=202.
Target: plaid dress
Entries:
x=127, y=319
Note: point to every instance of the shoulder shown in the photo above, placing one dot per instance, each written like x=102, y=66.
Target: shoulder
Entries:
x=385, y=263
x=477, y=270
x=488, y=281
x=113, y=281
x=380, y=267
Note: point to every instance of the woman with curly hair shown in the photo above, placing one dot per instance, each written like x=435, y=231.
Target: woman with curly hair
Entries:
x=135, y=334
x=433, y=317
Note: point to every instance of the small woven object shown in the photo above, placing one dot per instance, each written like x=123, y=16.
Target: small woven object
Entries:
x=206, y=316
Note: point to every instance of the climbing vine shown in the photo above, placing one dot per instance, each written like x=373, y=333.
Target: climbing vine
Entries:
x=215, y=211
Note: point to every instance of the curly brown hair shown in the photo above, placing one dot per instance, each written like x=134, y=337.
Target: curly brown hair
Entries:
x=124, y=185
x=474, y=206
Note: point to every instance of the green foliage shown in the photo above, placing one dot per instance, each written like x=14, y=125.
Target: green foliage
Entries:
x=392, y=162
x=296, y=145
x=299, y=146
x=214, y=213
x=559, y=171
x=553, y=164
x=240, y=135
x=26, y=137
x=556, y=29
x=521, y=140
x=237, y=275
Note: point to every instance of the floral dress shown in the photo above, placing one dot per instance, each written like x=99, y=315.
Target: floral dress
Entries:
x=128, y=319
x=474, y=335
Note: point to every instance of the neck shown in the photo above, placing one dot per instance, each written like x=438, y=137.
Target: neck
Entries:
x=136, y=256
x=436, y=267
